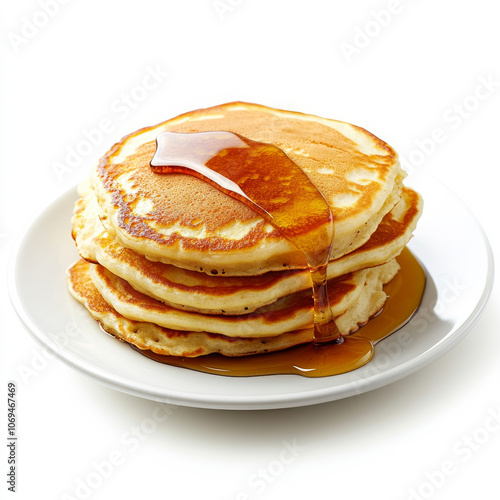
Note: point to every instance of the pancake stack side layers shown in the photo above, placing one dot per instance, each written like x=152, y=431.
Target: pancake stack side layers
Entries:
x=173, y=265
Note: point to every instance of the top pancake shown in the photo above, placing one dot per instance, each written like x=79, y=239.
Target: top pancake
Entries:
x=183, y=220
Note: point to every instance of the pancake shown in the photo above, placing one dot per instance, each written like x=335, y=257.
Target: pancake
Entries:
x=289, y=313
x=146, y=335
x=195, y=291
x=181, y=220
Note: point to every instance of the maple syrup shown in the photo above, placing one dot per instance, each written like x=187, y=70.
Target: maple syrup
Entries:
x=263, y=177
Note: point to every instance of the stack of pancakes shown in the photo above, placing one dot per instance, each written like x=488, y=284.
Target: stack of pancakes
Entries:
x=171, y=264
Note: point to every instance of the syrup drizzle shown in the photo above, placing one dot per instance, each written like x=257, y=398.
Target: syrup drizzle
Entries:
x=263, y=177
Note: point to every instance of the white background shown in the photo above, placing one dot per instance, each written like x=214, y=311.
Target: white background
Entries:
x=65, y=72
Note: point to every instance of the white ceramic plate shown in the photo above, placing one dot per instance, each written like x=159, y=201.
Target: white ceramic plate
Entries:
x=459, y=269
